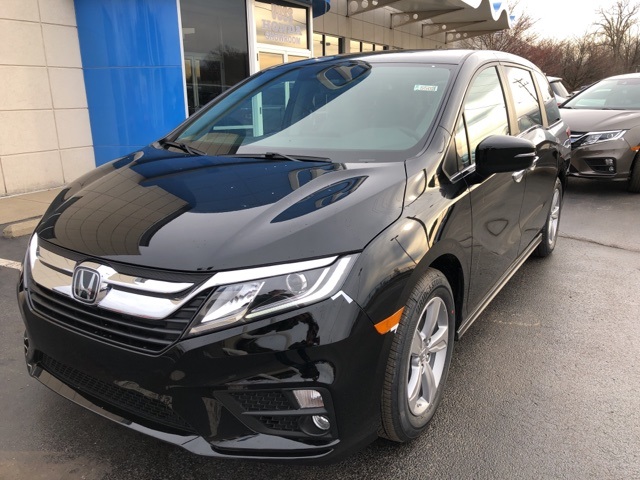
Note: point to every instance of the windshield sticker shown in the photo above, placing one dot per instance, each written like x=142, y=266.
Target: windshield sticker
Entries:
x=425, y=88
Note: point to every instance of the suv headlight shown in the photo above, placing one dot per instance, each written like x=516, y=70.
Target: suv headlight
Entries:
x=30, y=258
x=597, y=137
x=267, y=290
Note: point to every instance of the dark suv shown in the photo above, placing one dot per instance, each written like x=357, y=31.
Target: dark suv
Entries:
x=283, y=276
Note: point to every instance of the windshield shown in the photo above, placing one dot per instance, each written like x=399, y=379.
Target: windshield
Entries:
x=344, y=110
x=558, y=88
x=613, y=94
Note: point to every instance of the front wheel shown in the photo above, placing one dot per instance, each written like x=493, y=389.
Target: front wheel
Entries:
x=550, y=230
x=634, y=178
x=419, y=359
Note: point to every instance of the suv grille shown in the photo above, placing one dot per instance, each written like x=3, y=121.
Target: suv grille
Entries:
x=128, y=331
x=128, y=400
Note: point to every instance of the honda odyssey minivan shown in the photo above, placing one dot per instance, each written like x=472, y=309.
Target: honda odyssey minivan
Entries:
x=284, y=275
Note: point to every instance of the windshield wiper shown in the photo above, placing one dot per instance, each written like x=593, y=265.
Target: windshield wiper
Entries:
x=182, y=146
x=282, y=156
x=278, y=156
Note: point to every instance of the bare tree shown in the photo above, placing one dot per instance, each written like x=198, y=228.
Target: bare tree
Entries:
x=584, y=61
x=580, y=61
x=618, y=30
x=548, y=55
x=517, y=39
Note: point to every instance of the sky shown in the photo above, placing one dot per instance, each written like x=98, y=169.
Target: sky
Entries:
x=560, y=19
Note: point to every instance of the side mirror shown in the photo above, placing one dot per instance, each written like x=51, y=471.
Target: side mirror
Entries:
x=502, y=153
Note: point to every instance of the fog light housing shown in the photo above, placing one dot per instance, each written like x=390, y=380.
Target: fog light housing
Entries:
x=309, y=399
x=322, y=422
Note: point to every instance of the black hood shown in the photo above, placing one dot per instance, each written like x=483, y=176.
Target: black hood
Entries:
x=192, y=213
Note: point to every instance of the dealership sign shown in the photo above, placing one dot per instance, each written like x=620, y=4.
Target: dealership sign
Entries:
x=281, y=25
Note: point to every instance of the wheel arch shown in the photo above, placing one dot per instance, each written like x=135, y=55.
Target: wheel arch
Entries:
x=451, y=268
x=446, y=258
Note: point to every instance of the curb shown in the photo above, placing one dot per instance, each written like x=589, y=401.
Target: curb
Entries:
x=20, y=229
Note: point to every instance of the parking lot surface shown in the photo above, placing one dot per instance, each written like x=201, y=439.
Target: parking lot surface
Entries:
x=544, y=385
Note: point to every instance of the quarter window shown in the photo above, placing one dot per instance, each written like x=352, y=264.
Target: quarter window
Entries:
x=548, y=99
x=524, y=98
x=462, y=146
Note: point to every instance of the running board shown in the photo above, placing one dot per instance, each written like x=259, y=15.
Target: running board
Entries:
x=506, y=277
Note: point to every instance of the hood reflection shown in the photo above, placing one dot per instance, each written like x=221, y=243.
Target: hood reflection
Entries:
x=121, y=212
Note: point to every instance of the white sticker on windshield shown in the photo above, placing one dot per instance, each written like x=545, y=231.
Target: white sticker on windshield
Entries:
x=425, y=88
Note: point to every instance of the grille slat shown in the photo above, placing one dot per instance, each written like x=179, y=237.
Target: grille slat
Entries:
x=131, y=401
x=95, y=318
x=131, y=332
x=90, y=327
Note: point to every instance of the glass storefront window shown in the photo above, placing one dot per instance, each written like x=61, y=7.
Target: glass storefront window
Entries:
x=268, y=59
x=318, y=44
x=324, y=45
x=215, y=48
x=332, y=45
x=356, y=46
x=281, y=23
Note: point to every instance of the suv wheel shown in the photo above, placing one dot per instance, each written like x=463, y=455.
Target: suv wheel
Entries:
x=634, y=178
x=419, y=359
x=550, y=230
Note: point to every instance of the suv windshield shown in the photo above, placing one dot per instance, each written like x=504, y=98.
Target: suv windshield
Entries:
x=558, y=87
x=349, y=109
x=613, y=94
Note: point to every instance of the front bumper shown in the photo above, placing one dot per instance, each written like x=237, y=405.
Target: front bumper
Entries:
x=608, y=160
x=228, y=393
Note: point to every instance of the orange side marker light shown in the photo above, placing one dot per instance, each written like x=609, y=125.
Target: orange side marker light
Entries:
x=389, y=323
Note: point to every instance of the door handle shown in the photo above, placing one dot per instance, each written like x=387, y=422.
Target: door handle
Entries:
x=518, y=176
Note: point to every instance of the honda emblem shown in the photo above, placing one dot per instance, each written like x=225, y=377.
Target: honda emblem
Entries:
x=85, y=285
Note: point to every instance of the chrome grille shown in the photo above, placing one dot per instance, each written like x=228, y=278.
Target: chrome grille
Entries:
x=128, y=331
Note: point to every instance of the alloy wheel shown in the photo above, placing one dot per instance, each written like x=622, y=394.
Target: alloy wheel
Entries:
x=428, y=356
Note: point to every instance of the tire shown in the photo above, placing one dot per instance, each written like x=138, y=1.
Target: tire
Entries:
x=634, y=178
x=419, y=359
x=550, y=230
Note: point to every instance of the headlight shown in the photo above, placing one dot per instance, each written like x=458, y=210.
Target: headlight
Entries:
x=30, y=256
x=597, y=137
x=271, y=290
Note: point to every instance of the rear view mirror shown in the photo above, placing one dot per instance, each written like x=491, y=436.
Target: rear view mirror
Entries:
x=501, y=153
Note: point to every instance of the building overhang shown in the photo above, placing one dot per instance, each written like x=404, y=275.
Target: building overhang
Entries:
x=456, y=19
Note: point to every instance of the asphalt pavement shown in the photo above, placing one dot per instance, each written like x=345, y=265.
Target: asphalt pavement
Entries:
x=545, y=384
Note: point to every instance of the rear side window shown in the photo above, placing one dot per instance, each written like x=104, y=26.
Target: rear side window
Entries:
x=485, y=111
x=548, y=99
x=524, y=97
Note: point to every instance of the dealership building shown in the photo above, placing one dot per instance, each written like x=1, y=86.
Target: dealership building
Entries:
x=87, y=81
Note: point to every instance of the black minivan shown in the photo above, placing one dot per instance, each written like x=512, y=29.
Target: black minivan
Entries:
x=283, y=276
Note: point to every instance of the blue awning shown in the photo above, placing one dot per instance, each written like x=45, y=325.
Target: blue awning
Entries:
x=320, y=7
